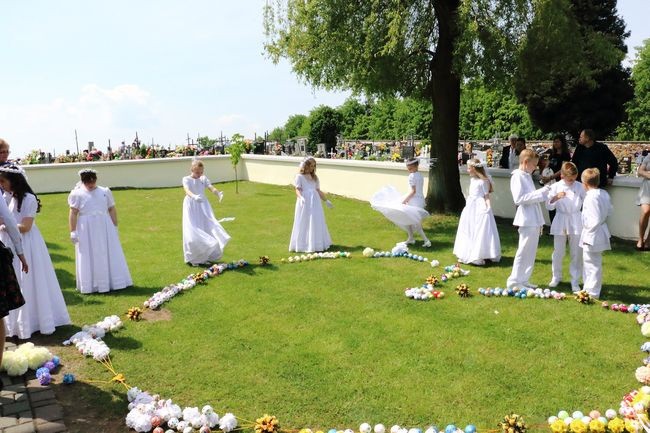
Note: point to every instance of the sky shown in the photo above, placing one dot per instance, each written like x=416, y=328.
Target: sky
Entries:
x=161, y=68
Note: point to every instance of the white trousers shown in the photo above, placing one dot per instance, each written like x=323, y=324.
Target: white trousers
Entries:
x=575, y=252
x=522, y=267
x=592, y=275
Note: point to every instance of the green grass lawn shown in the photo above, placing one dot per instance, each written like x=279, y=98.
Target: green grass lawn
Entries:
x=334, y=343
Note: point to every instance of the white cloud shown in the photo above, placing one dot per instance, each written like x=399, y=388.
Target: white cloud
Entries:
x=98, y=114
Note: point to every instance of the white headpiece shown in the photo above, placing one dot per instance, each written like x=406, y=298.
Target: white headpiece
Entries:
x=13, y=168
x=412, y=161
x=86, y=170
x=479, y=164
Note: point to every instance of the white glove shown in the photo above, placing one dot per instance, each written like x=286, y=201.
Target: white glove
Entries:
x=73, y=237
x=301, y=200
x=197, y=198
x=220, y=195
x=2, y=227
x=329, y=204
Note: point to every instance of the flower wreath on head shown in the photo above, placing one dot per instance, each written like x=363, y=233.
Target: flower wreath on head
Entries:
x=479, y=164
x=13, y=168
x=86, y=170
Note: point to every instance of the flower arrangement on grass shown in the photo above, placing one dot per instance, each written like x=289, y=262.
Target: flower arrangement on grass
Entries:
x=89, y=340
x=463, y=290
x=316, y=256
x=189, y=282
x=522, y=293
x=134, y=313
x=28, y=356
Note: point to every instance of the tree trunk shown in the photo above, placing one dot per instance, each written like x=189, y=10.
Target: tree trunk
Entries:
x=445, y=194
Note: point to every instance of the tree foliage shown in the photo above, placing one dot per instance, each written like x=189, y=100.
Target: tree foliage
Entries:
x=637, y=126
x=294, y=124
x=236, y=149
x=416, y=48
x=487, y=113
x=569, y=72
x=278, y=134
x=325, y=125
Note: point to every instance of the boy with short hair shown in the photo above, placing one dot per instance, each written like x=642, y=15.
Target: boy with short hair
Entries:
x=566, y=197
x=528, y=218
x=594, y=238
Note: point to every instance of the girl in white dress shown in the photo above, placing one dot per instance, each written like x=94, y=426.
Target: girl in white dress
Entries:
x=566, y=197
x=309, y=233
x=405, y=212
x=203, y=237
x=100, y=262
x=477, y=238
x=44, y=307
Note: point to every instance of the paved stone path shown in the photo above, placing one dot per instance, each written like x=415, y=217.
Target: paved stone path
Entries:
x=28, y=407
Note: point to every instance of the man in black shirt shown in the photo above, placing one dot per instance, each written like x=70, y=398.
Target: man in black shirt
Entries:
x=594, y=154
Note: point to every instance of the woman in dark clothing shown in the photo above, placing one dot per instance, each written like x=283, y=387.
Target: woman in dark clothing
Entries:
x=559, y=154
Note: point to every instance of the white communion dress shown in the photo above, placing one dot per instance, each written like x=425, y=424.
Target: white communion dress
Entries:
x=204, y=239
x=388, y=201
x=309, y=233
x=101, y=265
x=44, y=307
x=477, y=238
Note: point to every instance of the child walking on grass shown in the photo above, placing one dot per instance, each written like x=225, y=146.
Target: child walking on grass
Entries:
x=309, y=233
x=204, y=239
x=406, y=212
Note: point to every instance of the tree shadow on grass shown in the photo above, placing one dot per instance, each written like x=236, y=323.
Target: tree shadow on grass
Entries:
x=52, y=246
x=625, y=293
x=88, y=407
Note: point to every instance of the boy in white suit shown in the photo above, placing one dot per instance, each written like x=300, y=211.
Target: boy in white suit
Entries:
x=528, y=218
x=566, y=197
x=595, y=234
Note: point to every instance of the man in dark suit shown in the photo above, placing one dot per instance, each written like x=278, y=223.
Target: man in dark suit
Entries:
x=508, y=154
x=594, y=154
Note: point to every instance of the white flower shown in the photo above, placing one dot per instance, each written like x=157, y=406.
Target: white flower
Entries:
x=435, y=263
x=132, y=393
x=379, y=428
x=228, y=422
x=14, y=363
x=395, y=429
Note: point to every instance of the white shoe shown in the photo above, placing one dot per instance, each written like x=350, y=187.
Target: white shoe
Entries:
x=575, y=287
x=480, y=262
x=554, y=283
x=426, y=244
x=530, y=285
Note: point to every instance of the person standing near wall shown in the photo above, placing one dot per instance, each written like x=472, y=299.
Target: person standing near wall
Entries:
x=594, y=154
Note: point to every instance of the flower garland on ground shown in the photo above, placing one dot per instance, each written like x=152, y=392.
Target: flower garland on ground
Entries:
x=429, y=291
x=89, y=340
x=150, y=412
x=316, y=256
x=189, y=282
x=400, y=250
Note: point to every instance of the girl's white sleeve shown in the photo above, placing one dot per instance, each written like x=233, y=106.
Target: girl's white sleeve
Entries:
x=11, y=226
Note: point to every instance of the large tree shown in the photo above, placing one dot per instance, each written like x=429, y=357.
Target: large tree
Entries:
x=418, y=48
x=324, y=127
x=570, y=75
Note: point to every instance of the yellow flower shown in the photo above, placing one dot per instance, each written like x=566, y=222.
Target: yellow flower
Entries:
x=577, y=426
x=558, y=426
x=596, y=426
x=616, y=425
x=631, y=426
